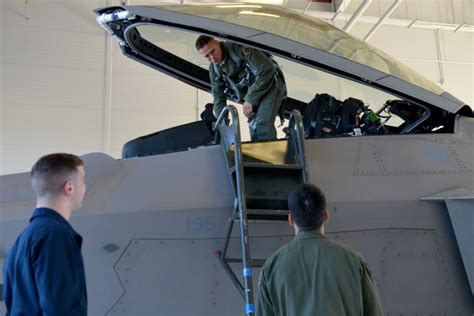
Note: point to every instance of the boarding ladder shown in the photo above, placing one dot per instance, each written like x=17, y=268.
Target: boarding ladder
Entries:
x=262, y=174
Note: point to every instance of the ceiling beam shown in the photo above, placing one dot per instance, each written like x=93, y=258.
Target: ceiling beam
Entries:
x=383, y=18
x=323, y=15
x=341, y=5
x=355, y=17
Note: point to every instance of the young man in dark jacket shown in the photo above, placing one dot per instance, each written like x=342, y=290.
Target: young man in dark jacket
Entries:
x=44, y=270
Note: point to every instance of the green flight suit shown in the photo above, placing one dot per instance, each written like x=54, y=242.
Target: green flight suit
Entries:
x=265, y=90
x=315, y=275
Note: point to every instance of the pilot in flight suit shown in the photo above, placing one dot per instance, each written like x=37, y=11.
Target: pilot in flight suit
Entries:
x=246, y=75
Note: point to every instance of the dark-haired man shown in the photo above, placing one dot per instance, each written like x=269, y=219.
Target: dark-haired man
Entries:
x=249, y=76
x=314, y=275
x=44, y=270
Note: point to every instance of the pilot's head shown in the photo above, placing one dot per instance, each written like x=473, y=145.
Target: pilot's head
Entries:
x=210, y=48
x=307, y=205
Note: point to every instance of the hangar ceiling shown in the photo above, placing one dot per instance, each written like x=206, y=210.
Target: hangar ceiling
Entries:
x=446, y=14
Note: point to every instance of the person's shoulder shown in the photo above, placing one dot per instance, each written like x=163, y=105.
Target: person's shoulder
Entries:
x=41, y=230
x=280, y=253
x=232, y=45
x=239, y=51
x=44, y=223
x=333, y=244
x=283, y=256
x=36, y=235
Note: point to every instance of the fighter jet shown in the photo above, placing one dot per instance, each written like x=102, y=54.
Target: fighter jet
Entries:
x=393, y=153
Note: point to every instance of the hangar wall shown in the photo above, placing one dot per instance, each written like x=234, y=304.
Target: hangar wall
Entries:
x=65, y=86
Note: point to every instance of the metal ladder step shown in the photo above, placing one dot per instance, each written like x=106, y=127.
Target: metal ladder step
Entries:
x=267, y=215
x=254, y=263
x=267, y=203
x=256, y=168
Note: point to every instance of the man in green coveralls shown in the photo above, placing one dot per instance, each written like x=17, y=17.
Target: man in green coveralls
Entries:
x=314, y=275
x=246, y=75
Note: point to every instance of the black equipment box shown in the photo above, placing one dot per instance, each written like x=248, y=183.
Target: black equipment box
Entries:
x=179, y=138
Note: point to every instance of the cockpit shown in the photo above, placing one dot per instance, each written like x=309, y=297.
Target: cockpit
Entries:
x=332, y=105
x=342, y=86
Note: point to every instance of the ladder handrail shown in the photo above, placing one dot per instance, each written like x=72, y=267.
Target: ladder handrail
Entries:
x=229, y=135
x=296, y=132
x=227, y=139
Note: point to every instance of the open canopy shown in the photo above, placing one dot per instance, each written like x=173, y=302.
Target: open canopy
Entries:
x=163, y=37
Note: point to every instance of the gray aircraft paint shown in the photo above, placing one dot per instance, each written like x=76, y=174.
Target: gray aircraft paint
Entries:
x=152, y=225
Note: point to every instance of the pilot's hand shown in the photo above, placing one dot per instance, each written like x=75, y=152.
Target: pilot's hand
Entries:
x=248, y=109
